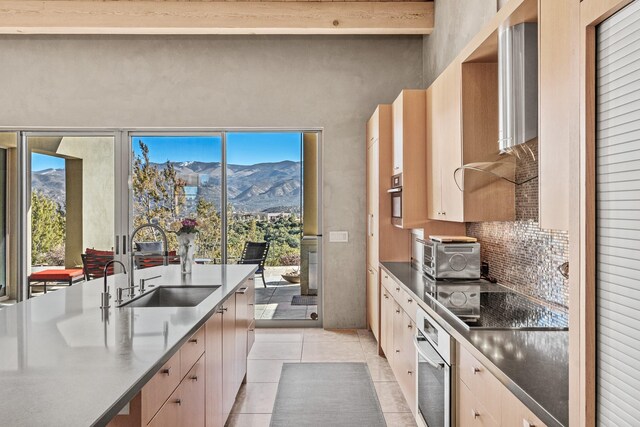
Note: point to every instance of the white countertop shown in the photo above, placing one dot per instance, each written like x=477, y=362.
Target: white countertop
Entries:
x=62, y=365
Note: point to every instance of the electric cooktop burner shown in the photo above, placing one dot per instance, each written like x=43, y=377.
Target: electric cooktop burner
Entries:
x=479, y=304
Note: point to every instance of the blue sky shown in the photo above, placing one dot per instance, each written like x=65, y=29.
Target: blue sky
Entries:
x=243, y=148
x=41, y=161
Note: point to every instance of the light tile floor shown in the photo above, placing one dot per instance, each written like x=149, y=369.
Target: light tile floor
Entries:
x=273, y=347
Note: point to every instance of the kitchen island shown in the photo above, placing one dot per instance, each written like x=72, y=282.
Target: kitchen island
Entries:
x=67, y=362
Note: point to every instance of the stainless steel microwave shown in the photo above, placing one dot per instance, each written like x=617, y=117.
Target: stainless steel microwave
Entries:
x=451, y=260
x=396, y=199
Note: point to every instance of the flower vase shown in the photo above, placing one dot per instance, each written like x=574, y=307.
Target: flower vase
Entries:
x=187, y=251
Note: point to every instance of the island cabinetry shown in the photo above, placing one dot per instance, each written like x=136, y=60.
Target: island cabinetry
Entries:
x=186, y=405
x=159, y=388
x=198, y=385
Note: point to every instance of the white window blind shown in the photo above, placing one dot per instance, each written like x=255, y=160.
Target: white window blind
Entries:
x=618, y=219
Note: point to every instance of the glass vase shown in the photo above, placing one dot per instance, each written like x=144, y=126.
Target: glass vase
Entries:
x=187, y=251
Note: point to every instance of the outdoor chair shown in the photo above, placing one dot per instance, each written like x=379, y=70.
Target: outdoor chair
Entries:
x=93, y=263
x=255, y=253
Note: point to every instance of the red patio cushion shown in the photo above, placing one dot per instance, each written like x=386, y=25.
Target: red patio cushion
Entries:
x=51, y=275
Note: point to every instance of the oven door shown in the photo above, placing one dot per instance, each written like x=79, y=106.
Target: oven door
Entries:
x=396, y=203
x=434, y=384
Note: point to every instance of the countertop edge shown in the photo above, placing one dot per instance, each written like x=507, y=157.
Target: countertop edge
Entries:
x=117, y=406
x=511, y=385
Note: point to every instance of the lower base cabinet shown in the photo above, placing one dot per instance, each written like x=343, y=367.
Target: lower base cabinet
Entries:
x=198, y=385
x=398, y=330
x=484, y=401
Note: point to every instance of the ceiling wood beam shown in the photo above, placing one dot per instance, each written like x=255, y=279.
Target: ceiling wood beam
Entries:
x=219, y=17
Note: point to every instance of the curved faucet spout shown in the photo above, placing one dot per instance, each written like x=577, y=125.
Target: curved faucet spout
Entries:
x=165, y=248
x=104, y=302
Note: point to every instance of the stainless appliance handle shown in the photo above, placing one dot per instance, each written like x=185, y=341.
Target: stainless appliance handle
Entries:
x=394, y=190
x=437, y=365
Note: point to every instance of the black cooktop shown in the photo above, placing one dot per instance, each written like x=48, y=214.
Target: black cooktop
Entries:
x=479, y=304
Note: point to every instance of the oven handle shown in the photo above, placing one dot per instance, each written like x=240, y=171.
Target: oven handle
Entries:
x=395, y=190
x=437, y=365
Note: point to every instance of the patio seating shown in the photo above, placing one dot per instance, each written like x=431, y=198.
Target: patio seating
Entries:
x=68, y=276
x=93, y=262
x=255, y=253
x=154, y=260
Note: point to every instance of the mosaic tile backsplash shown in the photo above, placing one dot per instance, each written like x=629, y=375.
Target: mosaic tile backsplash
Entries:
x=521, y=255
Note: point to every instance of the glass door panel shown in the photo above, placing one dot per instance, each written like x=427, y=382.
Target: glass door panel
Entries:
x=71, y=210
x=8, y=215
x=176, y=177
x=265, y=204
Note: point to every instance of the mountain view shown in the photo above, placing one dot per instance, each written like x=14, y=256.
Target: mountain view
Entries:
x=262, y=187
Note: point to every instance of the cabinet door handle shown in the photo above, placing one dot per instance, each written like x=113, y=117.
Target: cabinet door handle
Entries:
x=194, y=378
x=166, y=371
x=242, y=291
x=386, y=296
x=397, y=351
x=475, y=414
x=409, y=300
x=398, y=311
x=476, y=370
x=178, y=402
x=410, y=372
x=409, y=326
x=398, y=289
x=193, y=340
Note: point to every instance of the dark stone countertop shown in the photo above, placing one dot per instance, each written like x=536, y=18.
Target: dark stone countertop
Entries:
x=533, y=365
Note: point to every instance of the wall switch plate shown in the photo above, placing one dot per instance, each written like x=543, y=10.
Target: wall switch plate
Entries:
x=339, y=236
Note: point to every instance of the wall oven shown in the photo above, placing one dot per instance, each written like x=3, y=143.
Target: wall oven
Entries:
x=435, y=349
x=396, y=199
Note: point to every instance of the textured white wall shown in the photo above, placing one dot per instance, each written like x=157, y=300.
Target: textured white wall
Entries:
x=329, y=82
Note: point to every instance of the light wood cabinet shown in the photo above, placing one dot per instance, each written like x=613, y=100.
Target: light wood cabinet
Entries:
x=384, y=241
x=230, y=384
x=558, y=106
x=191, y=351
x=462, y=125
x=186, y=405
x=484, y=401
x=386, y=324
x=160, y=387
x=373, y=302
x=398, y=330
x=198, y=385
x=213, y=366
x=409, y=154
x=471, y=413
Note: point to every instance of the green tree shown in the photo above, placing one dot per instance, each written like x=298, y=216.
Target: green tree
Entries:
x=47, y=230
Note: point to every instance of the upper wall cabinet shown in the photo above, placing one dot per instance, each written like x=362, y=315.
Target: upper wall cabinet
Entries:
x=409, y=133
x=462, y=128
x=559, y=100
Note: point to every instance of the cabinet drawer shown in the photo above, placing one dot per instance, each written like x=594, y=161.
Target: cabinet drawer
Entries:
x=186, y=405
x=481, y=382
x=408, y=304
x=160, y=387
x=387, y=281
x=514, y=413
x=191, y=351
x=471, y=413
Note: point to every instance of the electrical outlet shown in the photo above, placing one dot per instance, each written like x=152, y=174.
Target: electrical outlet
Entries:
x=339, y=236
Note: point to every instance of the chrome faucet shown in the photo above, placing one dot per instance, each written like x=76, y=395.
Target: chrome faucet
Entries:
x=104, y=301
x=165, y=249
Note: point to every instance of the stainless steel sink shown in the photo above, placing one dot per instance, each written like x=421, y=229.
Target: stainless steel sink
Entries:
x=172, y=296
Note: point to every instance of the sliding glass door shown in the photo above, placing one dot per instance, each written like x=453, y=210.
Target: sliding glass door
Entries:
x=72, y=214
x=174, y=177
x=3, y=222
